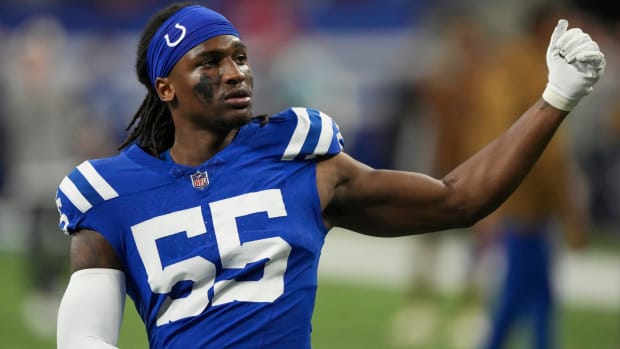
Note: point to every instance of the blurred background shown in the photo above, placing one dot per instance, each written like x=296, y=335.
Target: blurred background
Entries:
x=415, y=85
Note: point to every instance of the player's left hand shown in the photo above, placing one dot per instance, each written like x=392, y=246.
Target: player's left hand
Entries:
x=575, y=64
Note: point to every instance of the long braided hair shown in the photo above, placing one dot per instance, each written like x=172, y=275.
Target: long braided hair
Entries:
x=154, y=129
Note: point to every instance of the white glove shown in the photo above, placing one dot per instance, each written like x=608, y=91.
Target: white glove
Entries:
x=575, y=64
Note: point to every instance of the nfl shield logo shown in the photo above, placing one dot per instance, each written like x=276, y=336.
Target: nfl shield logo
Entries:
x=200, y=180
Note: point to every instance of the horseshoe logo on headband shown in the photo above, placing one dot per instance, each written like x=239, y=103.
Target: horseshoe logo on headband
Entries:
x=183, y=31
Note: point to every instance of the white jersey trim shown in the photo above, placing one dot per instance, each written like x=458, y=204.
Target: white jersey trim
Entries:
x=73, y=194
x=299, y=135
x=325, y=138
x=100, y=185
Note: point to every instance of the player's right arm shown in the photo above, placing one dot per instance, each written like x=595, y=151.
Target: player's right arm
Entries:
x=89, y=249
x=91, y=310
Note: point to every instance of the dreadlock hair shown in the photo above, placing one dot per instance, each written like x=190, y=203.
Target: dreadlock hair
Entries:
x=154, y=129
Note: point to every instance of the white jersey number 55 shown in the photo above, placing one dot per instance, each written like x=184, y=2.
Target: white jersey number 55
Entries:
x=234, y=255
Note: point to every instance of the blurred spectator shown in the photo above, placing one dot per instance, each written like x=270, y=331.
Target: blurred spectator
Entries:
x=43, y=120
x=445, y=98
x=553, y=197
x=598, y=148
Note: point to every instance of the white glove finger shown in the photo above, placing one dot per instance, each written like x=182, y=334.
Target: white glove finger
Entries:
x=595, y=58
x=586, y=46
x=589, y=73
x=569, y=41
x=558, y=31
x=569, y=36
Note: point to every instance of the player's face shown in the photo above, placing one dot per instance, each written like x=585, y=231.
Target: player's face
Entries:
x=213, y=83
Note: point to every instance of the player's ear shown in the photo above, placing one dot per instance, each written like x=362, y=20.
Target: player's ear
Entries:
x=165, y=90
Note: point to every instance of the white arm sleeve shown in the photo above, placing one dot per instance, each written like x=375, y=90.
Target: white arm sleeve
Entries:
x=91, y=310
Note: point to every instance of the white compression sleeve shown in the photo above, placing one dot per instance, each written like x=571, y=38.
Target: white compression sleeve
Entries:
x=91, y=310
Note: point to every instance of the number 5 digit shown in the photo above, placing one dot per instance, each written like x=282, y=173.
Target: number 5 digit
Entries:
x=235, y=255
x=160, y=279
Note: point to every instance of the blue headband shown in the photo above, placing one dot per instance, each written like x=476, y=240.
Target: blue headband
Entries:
x=184, y=30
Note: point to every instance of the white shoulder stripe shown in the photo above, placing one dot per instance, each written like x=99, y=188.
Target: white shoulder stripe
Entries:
x=327, y=133
x=299, y=135
x=93, y=177
x=73, y=194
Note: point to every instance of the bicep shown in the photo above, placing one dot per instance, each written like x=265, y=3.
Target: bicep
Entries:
x=385, y=202
x=89, y=249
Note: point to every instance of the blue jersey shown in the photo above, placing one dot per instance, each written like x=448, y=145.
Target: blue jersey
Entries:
x=222, y=255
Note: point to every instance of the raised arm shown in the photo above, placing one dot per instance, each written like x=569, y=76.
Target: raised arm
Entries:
x=91, y=310
x=391, y=203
